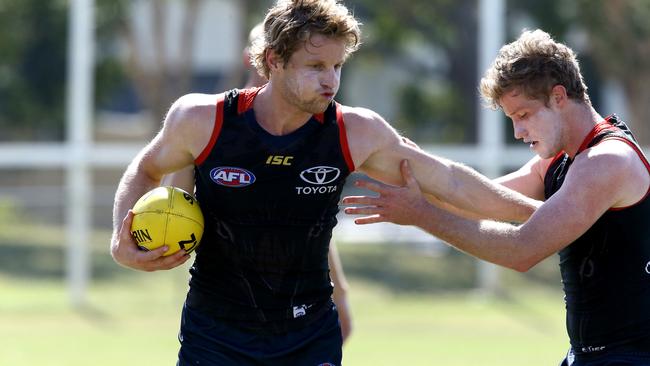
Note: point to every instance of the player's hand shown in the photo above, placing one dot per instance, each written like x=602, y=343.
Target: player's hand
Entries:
x=400, y=205
x=125, y=251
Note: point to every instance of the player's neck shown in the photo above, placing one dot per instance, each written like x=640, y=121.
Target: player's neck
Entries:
x=582, y=120
x=275, y=114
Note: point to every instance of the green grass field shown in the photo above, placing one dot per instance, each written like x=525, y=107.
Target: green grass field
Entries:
x=408, y=309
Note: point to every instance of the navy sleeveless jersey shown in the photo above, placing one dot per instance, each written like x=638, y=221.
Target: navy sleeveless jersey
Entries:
x=270, y=204
x=606, y=271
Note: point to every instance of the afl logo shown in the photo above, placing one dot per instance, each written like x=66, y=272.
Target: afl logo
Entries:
x=647, y=268
x=232, y=177
x=320, y=175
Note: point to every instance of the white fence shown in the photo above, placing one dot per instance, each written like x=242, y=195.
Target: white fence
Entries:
x=79, y=154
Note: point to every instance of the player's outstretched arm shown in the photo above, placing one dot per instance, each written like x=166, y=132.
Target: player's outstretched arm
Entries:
x=587, y=193
x=377, y=150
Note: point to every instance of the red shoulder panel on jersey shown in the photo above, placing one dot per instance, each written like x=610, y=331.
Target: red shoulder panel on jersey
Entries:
x=216, y=129
x=246, y=98
x=602, y=126
x=345, y=147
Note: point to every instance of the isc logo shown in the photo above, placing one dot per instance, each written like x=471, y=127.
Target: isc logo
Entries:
x=231, y=176
x=279, y=160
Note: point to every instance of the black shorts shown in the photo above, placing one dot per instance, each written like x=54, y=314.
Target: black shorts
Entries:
x=208, y=341
x=607, y=359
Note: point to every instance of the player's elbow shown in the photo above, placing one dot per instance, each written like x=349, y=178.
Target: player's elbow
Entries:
x=114, y=254
x=523, y=265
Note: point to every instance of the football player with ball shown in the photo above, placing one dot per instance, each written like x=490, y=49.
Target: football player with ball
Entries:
x=270, y=164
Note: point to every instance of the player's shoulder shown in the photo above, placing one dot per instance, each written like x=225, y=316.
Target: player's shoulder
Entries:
x=610, y=151
x=195, y=103
x=613, y=167
x=364, y=121
x=367, y=132
x=360, y=115
x=192, y=108
x=611, y=159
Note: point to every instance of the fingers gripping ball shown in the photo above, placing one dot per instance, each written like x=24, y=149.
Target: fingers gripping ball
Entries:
x=167, y=216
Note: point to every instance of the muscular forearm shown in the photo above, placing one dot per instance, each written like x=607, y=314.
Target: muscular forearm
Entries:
x=132, y=186
x=496, y=242
x=471, y=191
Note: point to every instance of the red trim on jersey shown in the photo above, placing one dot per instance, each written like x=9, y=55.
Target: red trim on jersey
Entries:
x=246, y=98
x=320, y=117
x=558, y=156
x=218, y=123
x=602, y=126
x=343, y=137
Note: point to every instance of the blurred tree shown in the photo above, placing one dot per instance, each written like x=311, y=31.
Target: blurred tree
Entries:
x=33, y=45
x=435, y=40
x=157, y=80
x=619, y=39
x=162, y=81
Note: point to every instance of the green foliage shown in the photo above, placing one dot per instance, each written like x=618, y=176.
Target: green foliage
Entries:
x=433, y=105
x=32, y=38
x=407, y=306
x=431, y=115
x=109, y=69
x=33, y=66
x=620, y=36
x=9, y=213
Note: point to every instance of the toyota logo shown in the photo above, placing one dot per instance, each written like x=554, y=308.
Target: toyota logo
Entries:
x=320, y=175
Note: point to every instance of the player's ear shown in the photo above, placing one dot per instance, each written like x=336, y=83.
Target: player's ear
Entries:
x=273, y=60
x=558, y=95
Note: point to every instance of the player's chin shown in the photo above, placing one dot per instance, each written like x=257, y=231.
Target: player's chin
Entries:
x=319, y=107
x=320, y=104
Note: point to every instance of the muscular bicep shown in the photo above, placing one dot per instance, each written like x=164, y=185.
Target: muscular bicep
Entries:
x=384, y=163
x=184, y=134
x=377, y=150
x=164, y=154
x=527, y=180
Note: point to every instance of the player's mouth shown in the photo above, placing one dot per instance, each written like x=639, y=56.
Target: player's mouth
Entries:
x=531, y=144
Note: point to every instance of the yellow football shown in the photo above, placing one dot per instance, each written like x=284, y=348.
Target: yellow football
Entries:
x=167, y=216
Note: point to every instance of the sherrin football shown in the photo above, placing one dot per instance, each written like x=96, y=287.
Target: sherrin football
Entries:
x=167, y=216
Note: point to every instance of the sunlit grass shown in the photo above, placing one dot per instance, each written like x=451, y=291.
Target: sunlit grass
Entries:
x=408, y=309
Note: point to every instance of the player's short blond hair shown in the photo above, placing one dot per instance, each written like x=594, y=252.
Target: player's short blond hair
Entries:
x=534, y=64
x=290, y=23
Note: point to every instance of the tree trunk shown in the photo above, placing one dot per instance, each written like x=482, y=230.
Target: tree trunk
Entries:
x=159, y=81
